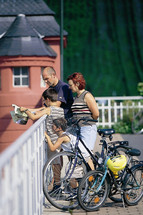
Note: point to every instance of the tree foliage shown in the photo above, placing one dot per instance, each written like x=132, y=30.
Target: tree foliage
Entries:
x=105, y=40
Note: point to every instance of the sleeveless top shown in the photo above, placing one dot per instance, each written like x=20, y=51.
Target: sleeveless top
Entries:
x=80, y=109
x=56, y=112
x=71, y=144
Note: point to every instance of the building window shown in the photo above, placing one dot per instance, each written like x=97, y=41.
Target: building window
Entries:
x=20, y=76
x=42, y=81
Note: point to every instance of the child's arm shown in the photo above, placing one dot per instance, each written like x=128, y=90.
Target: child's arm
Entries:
x=31, y=109
x=60, y=140
x=38, y=114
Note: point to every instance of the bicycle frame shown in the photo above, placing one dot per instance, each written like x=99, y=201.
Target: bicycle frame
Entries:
x=78, y=152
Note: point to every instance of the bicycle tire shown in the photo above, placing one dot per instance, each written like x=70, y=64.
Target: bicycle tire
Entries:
x=132, y=193
x=137, y=123
x=59, y=197
x=88, y=198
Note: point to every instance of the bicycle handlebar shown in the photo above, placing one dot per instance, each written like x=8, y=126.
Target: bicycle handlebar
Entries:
x=116, y=143
x=85, y=119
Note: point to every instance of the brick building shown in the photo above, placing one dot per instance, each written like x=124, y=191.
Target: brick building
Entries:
x=29, y=41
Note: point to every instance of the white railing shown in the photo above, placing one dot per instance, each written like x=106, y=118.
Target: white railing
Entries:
x=21, y=167
x=111, y=112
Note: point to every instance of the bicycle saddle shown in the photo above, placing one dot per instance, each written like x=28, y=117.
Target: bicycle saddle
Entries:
x=134, y=152
x=105, y=132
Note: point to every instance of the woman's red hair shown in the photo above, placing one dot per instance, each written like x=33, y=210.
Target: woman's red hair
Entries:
x=77, y=78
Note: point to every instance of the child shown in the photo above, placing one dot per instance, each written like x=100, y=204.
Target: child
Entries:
x=53, y=111
x=59, y=126
x=65, y=139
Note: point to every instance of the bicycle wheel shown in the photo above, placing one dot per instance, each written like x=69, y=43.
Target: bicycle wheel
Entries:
x=90, y=199
x=61, y=178
x=133, y=186
x=137, y=123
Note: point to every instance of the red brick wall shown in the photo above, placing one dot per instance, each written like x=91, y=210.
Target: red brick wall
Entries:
x=22, y=96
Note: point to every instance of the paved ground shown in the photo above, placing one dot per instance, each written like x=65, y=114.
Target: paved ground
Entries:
x=110, y=208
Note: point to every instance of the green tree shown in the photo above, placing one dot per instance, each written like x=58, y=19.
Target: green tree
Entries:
x=104, y=43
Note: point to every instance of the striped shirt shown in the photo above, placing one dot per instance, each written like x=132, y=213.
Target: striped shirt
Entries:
x=80, y=108
x=56, y=112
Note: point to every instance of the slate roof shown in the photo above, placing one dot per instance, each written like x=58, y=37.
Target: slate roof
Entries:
x=45, y=25
x=27, y=7
x=38, y=13
x=22, y=39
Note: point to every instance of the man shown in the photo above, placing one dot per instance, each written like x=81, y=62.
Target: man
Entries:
x=65, y=98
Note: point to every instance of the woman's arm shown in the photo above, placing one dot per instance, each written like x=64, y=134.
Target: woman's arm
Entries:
x=92, y=105
x=38, y=114
x=60, y=140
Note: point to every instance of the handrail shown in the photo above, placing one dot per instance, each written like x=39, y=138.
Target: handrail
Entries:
x=21, y=166
x=10, y=151
x=112, y=112
x=119, y=98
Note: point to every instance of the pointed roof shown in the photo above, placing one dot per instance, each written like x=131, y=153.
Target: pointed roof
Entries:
x=27, y=7
x=45, y=25
x=20, y=28
x=40, y=16
x=22, y=39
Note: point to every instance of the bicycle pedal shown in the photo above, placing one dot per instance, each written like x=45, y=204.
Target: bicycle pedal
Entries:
x=71, y=197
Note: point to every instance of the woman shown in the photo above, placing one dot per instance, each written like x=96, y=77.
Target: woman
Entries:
x=84, y=105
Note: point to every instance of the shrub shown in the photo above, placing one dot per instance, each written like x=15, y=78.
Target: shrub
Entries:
x=124, y=126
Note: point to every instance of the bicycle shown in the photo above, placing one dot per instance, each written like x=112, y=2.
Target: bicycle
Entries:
x=71, y=165
x=105, y=182
x=121, y=149
x=117, y=148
